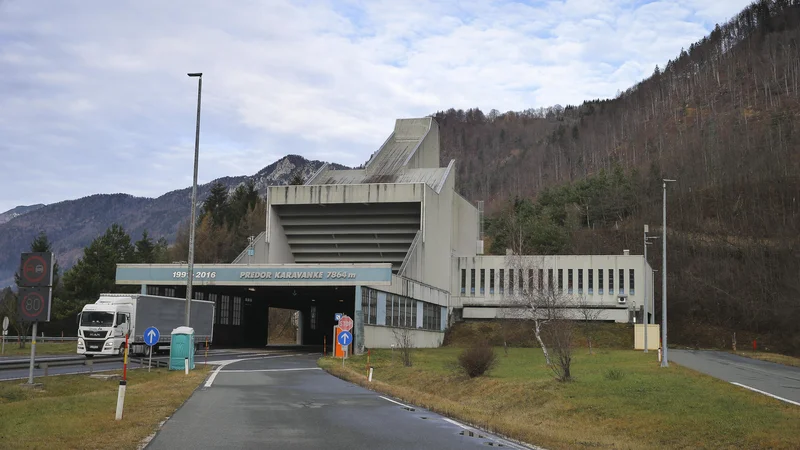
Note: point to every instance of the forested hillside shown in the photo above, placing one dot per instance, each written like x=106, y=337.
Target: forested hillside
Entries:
x=722, y=119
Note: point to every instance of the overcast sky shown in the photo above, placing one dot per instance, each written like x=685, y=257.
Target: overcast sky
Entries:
x=94, y=96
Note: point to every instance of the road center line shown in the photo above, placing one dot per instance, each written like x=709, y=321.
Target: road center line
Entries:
x=268, y=370
x=766, y=393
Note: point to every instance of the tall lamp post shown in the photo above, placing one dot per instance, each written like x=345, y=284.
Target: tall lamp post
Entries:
x=646, y=299
x=190, y=271
x=664, y=361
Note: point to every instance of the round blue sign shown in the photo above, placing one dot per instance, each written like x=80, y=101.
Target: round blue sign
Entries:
x=344, y=338
x=151, y=336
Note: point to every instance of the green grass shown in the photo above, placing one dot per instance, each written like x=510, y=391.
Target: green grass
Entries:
x=42, y=348
x=619, y=399
x=75, y=411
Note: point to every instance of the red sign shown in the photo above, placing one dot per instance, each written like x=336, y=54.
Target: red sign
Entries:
x=346, y=323
x=36, y=270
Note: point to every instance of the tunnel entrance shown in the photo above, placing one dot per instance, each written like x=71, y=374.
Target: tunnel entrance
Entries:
x=246, y=316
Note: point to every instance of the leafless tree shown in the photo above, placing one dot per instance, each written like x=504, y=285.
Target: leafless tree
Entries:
x=404, y=343
x=590, y=316
x=560, y=332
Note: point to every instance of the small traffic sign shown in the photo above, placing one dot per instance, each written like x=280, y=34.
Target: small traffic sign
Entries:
x=344, y=338
x=36, y=269
x=151, y=336
x=338, y=316
x=346, y=323
x=5, y=323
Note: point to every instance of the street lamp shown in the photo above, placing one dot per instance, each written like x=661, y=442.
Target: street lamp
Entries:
x=646, y=299
x=664, y=361
x=190, y=272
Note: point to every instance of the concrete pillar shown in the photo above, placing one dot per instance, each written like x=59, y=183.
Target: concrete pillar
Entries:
x=144, y=289
x=300, y=327
x=358, y=324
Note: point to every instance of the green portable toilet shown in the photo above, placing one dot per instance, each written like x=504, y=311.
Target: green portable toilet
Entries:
x=181, y=347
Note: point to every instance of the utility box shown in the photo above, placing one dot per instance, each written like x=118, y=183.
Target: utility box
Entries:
x=181, y=348
x=653, y=336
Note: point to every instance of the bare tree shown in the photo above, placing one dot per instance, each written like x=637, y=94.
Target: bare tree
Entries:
x=560, y=332
x=404, y=342
x=590, y=316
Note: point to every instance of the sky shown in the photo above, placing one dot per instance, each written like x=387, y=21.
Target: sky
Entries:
x=95, y=97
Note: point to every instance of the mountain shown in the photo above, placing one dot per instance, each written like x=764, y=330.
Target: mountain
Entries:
x=18, y=211
x=723, y=120
x=73, y=224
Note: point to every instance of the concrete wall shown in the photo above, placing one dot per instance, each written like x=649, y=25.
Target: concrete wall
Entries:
x=383, y=337
x=414, y=289
x=427, y=154
x=485, y=297
x=278, y=251
x=346, y=193
x=437, y=226
x=465, y=227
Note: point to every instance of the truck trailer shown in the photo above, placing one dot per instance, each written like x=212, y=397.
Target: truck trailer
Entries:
x=102, y=325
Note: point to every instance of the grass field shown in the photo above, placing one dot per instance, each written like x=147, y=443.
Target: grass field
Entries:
x=42, y=348
x=620, y=399
x=77, y=412
x=771, y=357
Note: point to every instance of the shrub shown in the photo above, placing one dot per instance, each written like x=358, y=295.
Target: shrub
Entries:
x=614, y=374
x=477, y=359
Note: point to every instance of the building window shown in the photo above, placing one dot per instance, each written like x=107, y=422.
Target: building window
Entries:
x=580, y=281
x=472, y=281
x=413, y=314
x=431, y=317
x=152, y=290
x=199, y=295
x=591, y=281
x=521, y=284
x=541, y=279
x=611, y=281
x=621, y=281
x=463, y=281
x=530, y=280
x=631, y=289
x=483, y=281
x=491, y=281
x=600, y=281
x=569, y=281
x=237, y=310
x=396, y=311
x=511, y=281
x=388, y=321
x=501, y=282
x=561, y=280
x=313, y=318
x=369, y=305
x=225, y=310
x=550, y=280
x=170, y=292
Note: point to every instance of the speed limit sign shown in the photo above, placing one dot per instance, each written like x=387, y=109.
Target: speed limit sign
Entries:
x=33, y=304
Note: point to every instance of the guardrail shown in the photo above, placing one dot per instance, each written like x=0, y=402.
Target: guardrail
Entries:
x=46, y=363
x=40, y=338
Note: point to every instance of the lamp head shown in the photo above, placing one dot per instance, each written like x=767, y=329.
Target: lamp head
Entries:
x=195, y=74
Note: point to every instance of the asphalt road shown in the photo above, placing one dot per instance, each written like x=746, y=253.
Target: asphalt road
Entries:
x=775, y=379
x=214, y=357
x=287, y=402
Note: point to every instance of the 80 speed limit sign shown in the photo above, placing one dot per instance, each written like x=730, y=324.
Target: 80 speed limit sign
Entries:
x=33, y=304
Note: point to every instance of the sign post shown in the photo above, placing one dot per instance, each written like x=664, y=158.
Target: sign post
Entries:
x=5, y=332
x=151, y=336
x=344, y=339
x=35, y=293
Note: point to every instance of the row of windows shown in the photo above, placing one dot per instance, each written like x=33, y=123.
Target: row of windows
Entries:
x=538, y=280
x=225, y=315
x=399, y=311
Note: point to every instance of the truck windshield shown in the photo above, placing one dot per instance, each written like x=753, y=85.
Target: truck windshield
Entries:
x=97, y=319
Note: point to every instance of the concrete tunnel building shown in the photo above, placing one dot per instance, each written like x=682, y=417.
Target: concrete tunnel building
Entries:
x=392, y=244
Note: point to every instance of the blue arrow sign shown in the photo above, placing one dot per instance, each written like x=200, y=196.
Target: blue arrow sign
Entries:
x=151, y=336
x=338, y=316
x=345, y=338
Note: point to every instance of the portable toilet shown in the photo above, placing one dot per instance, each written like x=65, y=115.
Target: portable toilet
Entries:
x=181, y=347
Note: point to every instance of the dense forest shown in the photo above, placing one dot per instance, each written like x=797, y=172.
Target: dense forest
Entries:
x=721, y=119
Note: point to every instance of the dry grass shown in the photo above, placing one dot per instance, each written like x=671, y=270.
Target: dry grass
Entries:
x=771, y=357
x=42, y=348
x=638, y=406
x=77, y=412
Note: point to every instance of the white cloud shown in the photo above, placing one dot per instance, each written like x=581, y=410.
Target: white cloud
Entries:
x=94, y=95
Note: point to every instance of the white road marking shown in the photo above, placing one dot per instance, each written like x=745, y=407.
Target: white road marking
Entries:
x=222, y=364
x=268, y=370
x=766, y=393
x=398, y=403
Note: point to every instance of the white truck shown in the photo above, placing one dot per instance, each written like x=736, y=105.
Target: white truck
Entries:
x=102, y=325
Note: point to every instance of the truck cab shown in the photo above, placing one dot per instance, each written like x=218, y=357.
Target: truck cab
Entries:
x=102, y=326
